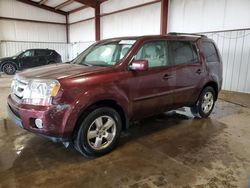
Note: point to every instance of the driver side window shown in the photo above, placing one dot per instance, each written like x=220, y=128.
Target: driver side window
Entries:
x=28, y=53
x=155, y=52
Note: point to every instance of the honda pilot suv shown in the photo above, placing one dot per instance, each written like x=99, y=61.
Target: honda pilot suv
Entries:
x=89, y=101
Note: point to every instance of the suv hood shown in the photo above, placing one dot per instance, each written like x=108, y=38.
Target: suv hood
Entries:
x=59, y=71
x=7, y=58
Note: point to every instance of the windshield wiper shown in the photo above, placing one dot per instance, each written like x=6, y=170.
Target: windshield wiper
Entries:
x=102, y=65
x=86, y=64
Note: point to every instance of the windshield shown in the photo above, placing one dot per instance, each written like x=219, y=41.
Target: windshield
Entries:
x=17, y=54
x=104, y=54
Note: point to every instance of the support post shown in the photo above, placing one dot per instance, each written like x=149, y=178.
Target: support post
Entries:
x=67, y=28
x=97, y=22
x=164, y=16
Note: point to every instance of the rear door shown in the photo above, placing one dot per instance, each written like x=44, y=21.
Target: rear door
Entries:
x=189, y=72
x=41, y=56
x=151, y=90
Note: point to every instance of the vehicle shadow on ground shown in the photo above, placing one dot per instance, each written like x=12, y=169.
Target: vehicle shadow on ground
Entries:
x=171, y=130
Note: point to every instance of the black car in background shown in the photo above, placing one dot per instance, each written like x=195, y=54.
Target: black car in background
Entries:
x=28, y=59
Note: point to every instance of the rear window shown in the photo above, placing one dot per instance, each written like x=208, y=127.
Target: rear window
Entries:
x=210, y=52
x=52, y=52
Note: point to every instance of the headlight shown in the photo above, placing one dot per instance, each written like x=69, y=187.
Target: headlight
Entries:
x=40, y=91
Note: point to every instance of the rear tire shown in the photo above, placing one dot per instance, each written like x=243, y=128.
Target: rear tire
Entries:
x=51, y=62
x=98, y=133
x=9, y=69
x=205, y=104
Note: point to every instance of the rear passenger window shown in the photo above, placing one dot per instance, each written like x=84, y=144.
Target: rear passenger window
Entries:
x=155, y=52
x=210, y=52
x=42, y=52
x=183, y=52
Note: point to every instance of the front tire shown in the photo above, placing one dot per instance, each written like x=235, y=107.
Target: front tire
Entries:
x=99, y=132
x=205, y=104
x=9, y=69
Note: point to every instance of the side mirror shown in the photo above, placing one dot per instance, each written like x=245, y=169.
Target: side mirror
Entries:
x=139, y=65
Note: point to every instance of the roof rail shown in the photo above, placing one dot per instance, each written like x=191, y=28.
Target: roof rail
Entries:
x=194, y=34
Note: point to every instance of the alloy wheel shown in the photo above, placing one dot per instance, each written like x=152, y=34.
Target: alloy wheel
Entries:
x=207, y=102
x=101, y=132
x=9, y=69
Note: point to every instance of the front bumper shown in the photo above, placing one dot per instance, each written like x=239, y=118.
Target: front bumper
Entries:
x=52, y=117
x=15, y=119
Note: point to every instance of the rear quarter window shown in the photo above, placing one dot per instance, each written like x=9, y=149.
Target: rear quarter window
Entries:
x=210, y=52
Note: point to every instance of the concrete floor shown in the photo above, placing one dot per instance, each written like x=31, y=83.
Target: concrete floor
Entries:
x=168, y=150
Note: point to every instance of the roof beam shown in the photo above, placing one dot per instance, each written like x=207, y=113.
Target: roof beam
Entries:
x=91, y=3
x=63, y=4
x=42, y=2
x=34, y=21
x=78, y=9
x=43, y=7
x=84, y=6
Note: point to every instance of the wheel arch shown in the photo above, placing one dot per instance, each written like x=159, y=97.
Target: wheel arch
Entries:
x=50, y=61
x=103, y=103
x=214, y=85
x=4, y=63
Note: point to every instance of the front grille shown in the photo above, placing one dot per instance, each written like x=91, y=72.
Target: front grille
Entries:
x=18, y=87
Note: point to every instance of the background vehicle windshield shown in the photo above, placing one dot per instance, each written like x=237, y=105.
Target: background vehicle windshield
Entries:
x=104, y=54
x=17, y=54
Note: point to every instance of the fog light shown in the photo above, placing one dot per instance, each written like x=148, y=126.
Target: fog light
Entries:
x=39, y=123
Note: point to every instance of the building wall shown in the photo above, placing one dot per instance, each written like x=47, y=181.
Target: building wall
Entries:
x=140, y=21
x=204, y=15
x=20, y=35
x=16, y=9
x=82, y=32
x=28, y=31
x=235, y=50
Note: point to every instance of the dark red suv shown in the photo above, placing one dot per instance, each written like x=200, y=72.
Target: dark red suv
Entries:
x=89, y=101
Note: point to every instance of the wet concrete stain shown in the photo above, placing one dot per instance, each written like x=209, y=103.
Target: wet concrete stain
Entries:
x=169, y=150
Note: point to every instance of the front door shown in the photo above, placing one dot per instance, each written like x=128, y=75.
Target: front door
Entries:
x=151, y=90
x=28, y=59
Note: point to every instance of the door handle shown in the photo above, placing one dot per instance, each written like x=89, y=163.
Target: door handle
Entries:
x=199, y=71
x=166, y=77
